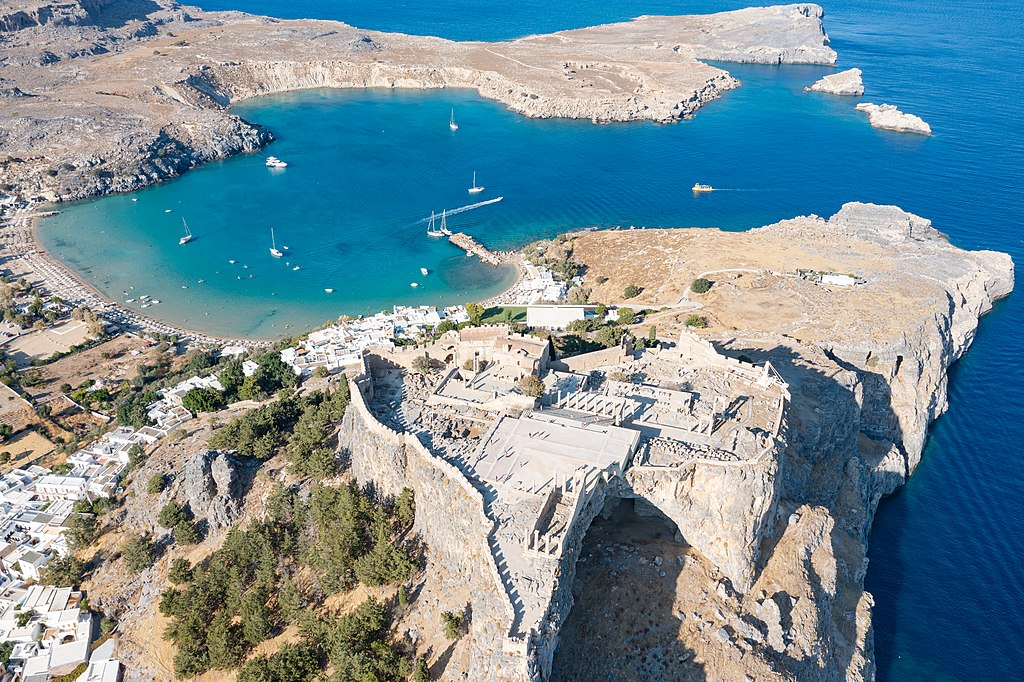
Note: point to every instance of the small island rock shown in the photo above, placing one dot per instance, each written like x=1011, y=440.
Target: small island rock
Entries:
x=888, y=117
x=843, y=83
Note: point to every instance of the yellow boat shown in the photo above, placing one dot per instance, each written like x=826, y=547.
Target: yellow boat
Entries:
x=703, y=188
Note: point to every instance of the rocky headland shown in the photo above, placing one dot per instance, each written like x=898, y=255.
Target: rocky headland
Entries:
x=766, y=577
x=888, y=117
x=103, y=96
x=846, y=83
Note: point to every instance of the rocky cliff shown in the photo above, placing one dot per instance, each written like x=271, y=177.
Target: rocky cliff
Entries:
x=119, y=95
x=865, y=387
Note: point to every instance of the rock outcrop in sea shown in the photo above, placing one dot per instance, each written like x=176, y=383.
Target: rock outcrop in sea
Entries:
x=843, y=83
x=888, y=117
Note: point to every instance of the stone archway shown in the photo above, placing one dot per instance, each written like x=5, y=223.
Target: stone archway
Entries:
x=624, y=623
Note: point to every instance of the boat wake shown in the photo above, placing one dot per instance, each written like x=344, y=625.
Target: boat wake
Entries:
x=463, y=209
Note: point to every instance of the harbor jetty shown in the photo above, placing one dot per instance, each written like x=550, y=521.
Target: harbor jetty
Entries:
x=474, y=248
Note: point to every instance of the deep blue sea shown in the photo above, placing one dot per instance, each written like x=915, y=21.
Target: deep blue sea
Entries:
x=366, y=166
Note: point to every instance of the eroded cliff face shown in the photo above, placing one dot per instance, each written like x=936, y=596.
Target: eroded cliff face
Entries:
x=720, y=509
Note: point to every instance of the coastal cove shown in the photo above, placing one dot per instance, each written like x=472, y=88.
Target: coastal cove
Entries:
x=367, y=166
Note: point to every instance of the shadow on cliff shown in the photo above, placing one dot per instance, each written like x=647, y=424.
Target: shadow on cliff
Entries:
x=623, y=625
x=844, y=456
x=118, y=13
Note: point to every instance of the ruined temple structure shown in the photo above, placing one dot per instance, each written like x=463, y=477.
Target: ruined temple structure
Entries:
x=508, y=485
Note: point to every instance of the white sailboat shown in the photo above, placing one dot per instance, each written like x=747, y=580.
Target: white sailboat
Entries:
x=444, y=224
x=273, y=246
x=431, y=230
x=451, y=122
x=474, y=189
x=188, y=234
x=424, y=272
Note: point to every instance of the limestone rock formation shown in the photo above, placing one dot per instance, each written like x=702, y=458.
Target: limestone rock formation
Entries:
x=843, y=83
x=211, y=484
x=888, y=117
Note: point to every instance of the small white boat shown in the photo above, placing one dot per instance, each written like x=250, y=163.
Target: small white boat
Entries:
x=698, y=188
x=188, y=234
x=424, y=272
x=167, y=210
x=475, y=189
x=134, y=199
x=296, y=268
x=232, y=262
x=415, y=284
x=130, y=300
x=329, y=291
x=273, y=246
x=451, y=123
x=274, y=162
x=155, y=301
x=146, y=305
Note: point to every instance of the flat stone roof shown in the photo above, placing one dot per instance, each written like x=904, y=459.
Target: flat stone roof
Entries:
x=529, y=452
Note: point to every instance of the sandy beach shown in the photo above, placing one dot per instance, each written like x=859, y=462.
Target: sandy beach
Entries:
x=25, y=257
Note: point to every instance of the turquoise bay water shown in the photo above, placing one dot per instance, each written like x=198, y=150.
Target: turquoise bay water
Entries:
x=367, y=167
x=946, y=568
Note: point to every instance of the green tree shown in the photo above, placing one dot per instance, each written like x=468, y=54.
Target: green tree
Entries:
x=180, y=571
x=63, y=571
x=136, y=456
x=609, y=336
x=156, y=484
x=421, y=671
x=631, y=291
x=231, y=377
x=172, y=514
x=80, y=530
x=405, y=509
x=138, y=553
x=453, y=625
x=701, y=285
x=203, y=400
x=256, y=624
x=476, y=313
x=224, y=644
x=696, y=321
x=186, y=533
x=600, y=310
x=626, y=316
x=200, y=359
x=445, y=326
x=531, y=386
x=421, y=364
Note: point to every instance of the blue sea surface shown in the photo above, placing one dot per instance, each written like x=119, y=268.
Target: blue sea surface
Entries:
x=367, y=166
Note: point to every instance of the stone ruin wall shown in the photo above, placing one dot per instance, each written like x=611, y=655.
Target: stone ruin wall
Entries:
x=545, y=641
x=451, y=523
